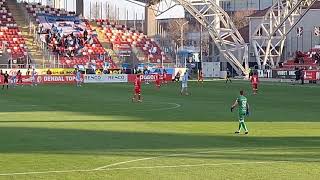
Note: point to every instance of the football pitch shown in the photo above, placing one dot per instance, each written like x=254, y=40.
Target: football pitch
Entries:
x=96, y=132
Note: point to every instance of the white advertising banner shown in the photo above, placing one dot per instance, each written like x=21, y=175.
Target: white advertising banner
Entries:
x=211, y=69
x=105, y=78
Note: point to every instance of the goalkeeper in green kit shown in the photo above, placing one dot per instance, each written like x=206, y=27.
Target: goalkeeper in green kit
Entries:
x=243, y=105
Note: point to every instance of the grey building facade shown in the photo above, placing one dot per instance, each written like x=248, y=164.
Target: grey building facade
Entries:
x=302, y=41
x=238, y=5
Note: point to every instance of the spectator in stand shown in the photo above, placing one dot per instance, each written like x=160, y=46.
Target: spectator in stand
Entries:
x=297, y=73
x=177, y=77
x=281, y=65
x=89, y=40
x=28, y=72
x=40, y=28
x=49, y=72
x=94, y=33
x=301, y=61
x=98, y=72
x=105, y=71
x=302, y=71
x=85, y=34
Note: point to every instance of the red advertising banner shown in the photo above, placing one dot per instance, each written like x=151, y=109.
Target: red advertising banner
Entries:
x=25, y=80
x=149, y=77
x=311, y=75
x=45, y=79
x=63, y=79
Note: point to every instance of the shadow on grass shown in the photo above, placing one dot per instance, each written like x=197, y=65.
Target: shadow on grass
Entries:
x=73, y=141
x=207, y=104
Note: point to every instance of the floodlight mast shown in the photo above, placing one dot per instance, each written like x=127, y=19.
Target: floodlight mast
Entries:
x=220, y=27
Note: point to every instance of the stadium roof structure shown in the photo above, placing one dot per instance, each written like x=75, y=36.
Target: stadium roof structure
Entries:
x=276, y=23
x=218, y=23
x=149, y=2
x=269, y=36
x=261, y=13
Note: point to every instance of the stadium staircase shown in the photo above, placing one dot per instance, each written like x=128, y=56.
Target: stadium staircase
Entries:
x=105, y=45
x=33, y=49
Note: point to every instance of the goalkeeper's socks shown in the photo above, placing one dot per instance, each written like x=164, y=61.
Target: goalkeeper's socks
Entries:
x=244, y=126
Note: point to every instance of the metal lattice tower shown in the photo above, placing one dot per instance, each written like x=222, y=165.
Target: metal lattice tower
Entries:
x=220, y=27
x=269, y=37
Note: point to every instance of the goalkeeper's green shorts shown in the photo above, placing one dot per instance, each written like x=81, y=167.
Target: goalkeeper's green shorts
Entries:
x=242, y=116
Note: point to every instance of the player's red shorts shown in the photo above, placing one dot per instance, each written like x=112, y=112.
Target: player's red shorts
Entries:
x=255, y=86
x=158, y=82
x=137, y=91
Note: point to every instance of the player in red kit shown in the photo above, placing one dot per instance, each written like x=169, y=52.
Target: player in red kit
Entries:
x=254, y=83
x=200, y=76
x=137, y=90
x=164, y=76
x=19, y=77
x=158, y=81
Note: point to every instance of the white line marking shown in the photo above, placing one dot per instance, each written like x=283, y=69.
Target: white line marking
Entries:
x=107, y=167
x=21, y=105
x=193, y=153
x=195, y=165
x=143, y=167
x=175, y=106
x=126, y=162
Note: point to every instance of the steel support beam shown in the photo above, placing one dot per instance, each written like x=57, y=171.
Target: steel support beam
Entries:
x=269, y=37
x=219, y=25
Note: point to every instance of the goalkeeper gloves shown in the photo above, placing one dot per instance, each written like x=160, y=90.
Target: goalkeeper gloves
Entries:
x=248, y=112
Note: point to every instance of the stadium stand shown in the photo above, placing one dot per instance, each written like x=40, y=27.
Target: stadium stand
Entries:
x=309, y=60
x=67, y=36
x=12, y=42
x=125, y=40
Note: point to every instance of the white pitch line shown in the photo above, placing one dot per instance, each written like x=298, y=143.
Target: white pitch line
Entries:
x=175, y=106
x=143, y=167
x=45, y=172
x=124, y=162
x=21, y=105
x=107, y=167
x=194, y=165
x=193, y=153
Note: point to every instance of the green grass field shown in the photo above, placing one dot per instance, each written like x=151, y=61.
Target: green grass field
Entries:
x=95, y=132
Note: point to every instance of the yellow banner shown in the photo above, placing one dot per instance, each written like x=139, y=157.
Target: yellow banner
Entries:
x=54, y=71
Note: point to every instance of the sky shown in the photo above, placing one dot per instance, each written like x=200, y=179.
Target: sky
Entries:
x=133, y=11
x=122, y=8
